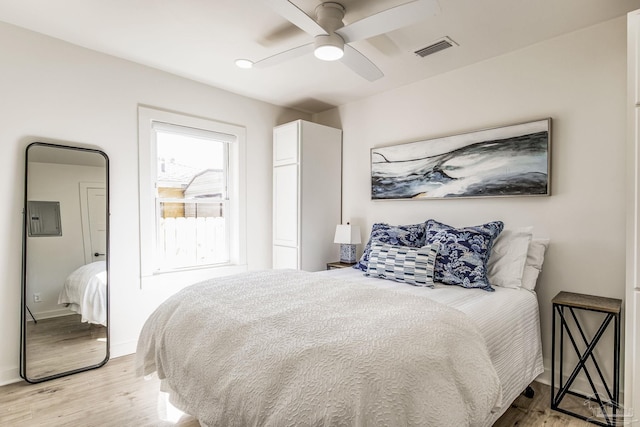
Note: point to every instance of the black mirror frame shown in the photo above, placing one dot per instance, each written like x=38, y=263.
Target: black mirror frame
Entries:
x=23, y=308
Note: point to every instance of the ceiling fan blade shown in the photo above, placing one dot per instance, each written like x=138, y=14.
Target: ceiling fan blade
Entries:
x=284, y=56
x=388, y=20
x=293, y=13
x=360, y=64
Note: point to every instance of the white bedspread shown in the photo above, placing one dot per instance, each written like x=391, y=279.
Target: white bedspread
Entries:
x=289, y=348
x=508, y=319
x=85, y=292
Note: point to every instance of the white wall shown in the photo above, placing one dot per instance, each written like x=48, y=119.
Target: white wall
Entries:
x=579, y=81
x=51, y=259
x=57, y=92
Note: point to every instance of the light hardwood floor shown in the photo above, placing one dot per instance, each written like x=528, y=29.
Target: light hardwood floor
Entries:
x=114, y=396
x=63, y=344
x=526, y=412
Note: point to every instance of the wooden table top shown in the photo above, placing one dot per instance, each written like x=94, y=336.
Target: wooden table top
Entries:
x=588, y=302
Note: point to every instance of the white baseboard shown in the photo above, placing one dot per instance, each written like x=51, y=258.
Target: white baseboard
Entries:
x=545, y=377
x=10, y=376
x=122, y=348
x=580, y=385
x=50, y=314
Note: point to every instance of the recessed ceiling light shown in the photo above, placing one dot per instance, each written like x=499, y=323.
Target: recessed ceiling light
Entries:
x=244, y=63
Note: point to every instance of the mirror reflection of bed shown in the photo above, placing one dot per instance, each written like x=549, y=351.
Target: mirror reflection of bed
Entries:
x=65, y=286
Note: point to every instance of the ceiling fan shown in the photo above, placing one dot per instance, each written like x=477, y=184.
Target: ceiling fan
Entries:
x=332, y=38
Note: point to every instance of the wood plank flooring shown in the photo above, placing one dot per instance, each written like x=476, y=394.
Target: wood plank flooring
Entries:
x=114, y=396
x=526, y=412
x=62, y=344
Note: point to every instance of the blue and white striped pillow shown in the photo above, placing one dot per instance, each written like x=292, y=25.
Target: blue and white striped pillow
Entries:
x=414, y=266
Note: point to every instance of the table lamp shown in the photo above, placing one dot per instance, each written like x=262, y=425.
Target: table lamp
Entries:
x=348, y=236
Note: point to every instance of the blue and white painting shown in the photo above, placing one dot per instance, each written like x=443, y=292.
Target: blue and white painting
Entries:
x=507, y=161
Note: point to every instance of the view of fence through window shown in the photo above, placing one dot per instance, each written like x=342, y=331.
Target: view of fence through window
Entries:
x=192, y=200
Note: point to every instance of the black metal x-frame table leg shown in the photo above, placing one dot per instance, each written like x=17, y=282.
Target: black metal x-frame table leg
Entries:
x=609, y=418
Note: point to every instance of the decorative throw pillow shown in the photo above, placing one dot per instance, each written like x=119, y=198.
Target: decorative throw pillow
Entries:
x=533, y=266
x=400, y=235
x=414, y=266
x=464, y=252
x=508, y=257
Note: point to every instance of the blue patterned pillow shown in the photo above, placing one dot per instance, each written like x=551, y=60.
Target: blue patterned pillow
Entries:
x=414, y=266
x=401, y=235
x=464, y=252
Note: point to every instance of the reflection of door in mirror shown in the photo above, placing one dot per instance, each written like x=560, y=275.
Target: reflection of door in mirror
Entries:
x=93, y=202
x=65, y=275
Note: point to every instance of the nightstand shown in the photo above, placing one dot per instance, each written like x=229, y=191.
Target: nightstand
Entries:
x=604, y=400
x=339, y=264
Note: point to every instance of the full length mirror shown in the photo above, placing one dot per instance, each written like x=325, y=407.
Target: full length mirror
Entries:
x=65, y=294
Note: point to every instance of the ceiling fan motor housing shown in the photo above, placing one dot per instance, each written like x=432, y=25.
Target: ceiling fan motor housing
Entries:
x=329, y=16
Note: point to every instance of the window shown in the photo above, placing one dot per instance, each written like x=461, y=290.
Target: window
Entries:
x=190, y=192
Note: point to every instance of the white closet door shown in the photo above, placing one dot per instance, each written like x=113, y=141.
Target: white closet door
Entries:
x=285, y=199
x=285, y=144
x=285, y=257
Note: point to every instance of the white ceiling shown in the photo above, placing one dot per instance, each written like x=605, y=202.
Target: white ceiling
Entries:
x=200, y=39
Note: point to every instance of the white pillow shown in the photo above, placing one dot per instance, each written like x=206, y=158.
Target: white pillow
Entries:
x=535, y=258
x=506, y=263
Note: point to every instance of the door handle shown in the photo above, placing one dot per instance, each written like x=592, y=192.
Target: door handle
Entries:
x=98, y=254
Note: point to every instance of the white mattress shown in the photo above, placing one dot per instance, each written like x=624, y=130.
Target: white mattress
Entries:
x=507, y=318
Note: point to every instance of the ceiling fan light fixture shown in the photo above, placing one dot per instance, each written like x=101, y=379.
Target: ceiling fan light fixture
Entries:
x=328, y=53
x=329, y=47
x=244, y=63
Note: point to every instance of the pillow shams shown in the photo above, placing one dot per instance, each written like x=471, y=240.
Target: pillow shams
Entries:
x=401, y=235
x=533, y=266
x=508, y=257
x=414, y=266
x=464, y=252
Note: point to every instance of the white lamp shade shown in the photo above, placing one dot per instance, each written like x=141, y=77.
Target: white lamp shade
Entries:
x=347, y=234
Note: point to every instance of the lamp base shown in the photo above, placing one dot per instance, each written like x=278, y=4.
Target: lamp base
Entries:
x=347, y=253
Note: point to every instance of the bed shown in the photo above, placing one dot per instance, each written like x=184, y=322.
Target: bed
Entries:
x=85, y=292
x=343, y=347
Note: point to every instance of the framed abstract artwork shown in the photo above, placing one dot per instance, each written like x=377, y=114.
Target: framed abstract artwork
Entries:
x=506, y=161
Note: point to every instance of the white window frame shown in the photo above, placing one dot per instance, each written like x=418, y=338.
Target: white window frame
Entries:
x=236, y=218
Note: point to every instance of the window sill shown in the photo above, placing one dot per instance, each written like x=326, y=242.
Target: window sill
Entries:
x=184, y=277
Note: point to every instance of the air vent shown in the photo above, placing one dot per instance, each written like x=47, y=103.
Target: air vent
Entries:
x=439, y=45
